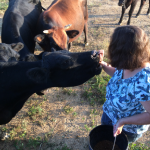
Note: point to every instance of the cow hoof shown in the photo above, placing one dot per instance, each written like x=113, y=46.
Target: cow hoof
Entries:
x=86, y=44
x=136, y=16
x=119, y=23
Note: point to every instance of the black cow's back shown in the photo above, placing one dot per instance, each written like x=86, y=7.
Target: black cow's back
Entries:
x=19, y=24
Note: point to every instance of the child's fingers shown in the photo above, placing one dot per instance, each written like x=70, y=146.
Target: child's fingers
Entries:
x=114, y=130
x=101, y=53
x=117, y=130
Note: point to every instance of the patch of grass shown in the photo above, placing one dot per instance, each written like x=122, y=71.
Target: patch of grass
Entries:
x=44, y=97
x=75, y=114
x=23, y=134
x=19, y=145
x=68, y=91
x=95, y=89
x=138, y=146
x=87, y=128
x=35, y=110
x=3, y=5
x=68, y=109
x=47, y=135
x=4, y=129
x=63, y=148
x=13, y=133
x=93, y=114
x=33, y=142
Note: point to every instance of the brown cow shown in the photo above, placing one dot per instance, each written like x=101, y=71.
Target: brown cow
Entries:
x=62, y=23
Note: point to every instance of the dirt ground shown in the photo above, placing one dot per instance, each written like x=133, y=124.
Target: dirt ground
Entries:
x=71, y=127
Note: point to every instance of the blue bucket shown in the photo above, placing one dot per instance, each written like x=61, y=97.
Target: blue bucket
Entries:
x=105, y=132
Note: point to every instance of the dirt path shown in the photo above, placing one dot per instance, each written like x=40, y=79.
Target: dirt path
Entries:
x=66, y=116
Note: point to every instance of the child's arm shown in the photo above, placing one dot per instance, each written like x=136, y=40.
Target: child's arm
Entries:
x=106, y=67
x=138, y=119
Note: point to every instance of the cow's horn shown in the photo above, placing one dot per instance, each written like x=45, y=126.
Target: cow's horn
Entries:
x=67, y=26
x=45, y=31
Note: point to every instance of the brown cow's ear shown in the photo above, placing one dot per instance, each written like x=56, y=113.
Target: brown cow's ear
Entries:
x=39, y=38
x=72, y=33
x=17, y=46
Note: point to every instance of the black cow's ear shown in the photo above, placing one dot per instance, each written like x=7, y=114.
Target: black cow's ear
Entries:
x=38, y=75
x=39, y=38
x=17, y=46
x=72, y=33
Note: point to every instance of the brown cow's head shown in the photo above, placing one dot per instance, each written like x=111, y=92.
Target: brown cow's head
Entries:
x=57, y=38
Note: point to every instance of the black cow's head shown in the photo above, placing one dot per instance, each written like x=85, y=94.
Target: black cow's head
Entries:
x=63, y=68
x=9, y=52
x=56, y=38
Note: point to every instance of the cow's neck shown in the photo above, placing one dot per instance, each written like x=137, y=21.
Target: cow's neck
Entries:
x=13, y=76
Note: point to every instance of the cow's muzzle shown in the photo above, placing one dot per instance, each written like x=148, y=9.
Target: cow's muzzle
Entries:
x=95, y=54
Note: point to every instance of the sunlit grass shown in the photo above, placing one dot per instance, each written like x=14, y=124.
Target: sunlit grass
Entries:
x=3, y=5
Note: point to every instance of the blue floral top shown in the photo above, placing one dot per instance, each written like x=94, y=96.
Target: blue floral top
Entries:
x=124, y=95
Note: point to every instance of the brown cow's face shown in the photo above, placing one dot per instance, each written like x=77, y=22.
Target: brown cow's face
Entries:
x=60, y=37
x=56, y=38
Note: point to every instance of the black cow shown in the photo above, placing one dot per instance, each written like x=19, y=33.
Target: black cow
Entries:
x=19, y=80
x=19, y=24
x=125, y=4
x=141, y=6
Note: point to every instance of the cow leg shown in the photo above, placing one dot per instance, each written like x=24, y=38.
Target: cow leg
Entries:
x=141, y=6
x=85, y=33
x=123, y=11
x=148, y=11
x=85, y=13
x=131, y=11
x=69, y=45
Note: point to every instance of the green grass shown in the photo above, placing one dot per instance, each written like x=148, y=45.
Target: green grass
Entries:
x=35, y=110
x=63, y=148
x=68, y=109
x=95, y=89
x=3, y=5
x=138, y=146
x=68, y=91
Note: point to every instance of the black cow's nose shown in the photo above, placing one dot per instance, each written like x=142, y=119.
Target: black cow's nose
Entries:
x=95, y=53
